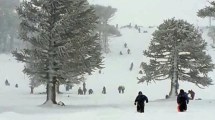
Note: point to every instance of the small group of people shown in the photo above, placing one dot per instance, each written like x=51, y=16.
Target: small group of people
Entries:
x=182, y=100
x=128, y=50
x=84, y=91
x=8, y=84
x=121, y=89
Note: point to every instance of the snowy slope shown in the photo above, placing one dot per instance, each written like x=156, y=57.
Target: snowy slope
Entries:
x=18, y=104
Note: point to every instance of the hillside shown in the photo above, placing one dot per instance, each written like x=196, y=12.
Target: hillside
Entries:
x=18, y=104
x=116, y=69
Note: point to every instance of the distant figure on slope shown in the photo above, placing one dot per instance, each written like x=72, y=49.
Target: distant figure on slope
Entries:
x=16, y=86
x=125, y=45
x=7, y=83
x=104, y=90
x=123, y=89
x=192, y=94
x=117, y=26
x=140, y=102
x=84, y=88
x=139, y=30
x=90, y=91
x=120, y=52
x=84, y=91
x=120, y=89
x=128, y=51
x=80, y=91
x=182, y=101
x=131, y=66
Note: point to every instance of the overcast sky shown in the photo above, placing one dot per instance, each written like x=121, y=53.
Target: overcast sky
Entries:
x=153, y=12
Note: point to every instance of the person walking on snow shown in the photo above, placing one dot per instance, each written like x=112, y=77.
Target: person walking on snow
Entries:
x=182, y=101
x=140, y=102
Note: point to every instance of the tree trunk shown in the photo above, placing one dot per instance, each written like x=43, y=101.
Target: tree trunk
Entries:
x=11, y=43
x=51, y=93
x=105, y=38
x=58, y=88
x=32, y=90
x=174, y=81
x=209, y=21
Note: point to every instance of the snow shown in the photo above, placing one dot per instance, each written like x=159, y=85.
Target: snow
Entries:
x=19, y=104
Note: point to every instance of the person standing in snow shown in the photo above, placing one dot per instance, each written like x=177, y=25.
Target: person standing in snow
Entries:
x=120, y=89
x=182, y=101
x=140, y=102
x=90, y=91
x=80, y=91
x=123, y=89
x=104, y=90
x=192, y=94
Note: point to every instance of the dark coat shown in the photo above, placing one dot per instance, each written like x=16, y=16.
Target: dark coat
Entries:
x=182, y=98
x=140, y=99
x=182, y=101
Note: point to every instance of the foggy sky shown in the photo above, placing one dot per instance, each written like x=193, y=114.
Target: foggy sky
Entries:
x=153, y=12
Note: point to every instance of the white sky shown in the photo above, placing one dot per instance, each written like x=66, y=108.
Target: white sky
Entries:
x=153, y=12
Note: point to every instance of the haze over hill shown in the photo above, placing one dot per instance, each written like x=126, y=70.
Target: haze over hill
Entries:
x=153, y=12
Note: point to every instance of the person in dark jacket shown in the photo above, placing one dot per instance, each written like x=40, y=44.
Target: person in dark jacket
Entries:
x=182, y=101
x=140, y=102
x=104, y=90
x=80, y=91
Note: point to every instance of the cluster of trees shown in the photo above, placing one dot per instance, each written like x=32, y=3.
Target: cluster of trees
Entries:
x=62, y=42
x=10, y=22
x=8, y=26
x=104, y=29
x=209, y=12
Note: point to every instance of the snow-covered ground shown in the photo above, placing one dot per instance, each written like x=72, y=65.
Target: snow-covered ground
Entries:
x=19, y=104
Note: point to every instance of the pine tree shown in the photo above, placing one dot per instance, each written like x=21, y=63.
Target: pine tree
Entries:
x=104, y=28
x=8, y=25
x=63, y=44
x=208, y=11
x=211, y=34
x=177, y=52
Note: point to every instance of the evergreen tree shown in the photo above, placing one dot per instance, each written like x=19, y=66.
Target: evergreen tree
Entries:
x=177, y=52
x=63, y=45
x=211, y=34
x=8, y=25
x=208, y=11
x=104, y=28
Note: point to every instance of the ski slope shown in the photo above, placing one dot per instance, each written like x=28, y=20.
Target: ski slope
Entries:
x=18, y=104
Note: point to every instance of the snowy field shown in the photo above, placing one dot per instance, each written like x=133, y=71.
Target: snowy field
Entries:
x=19, y=104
